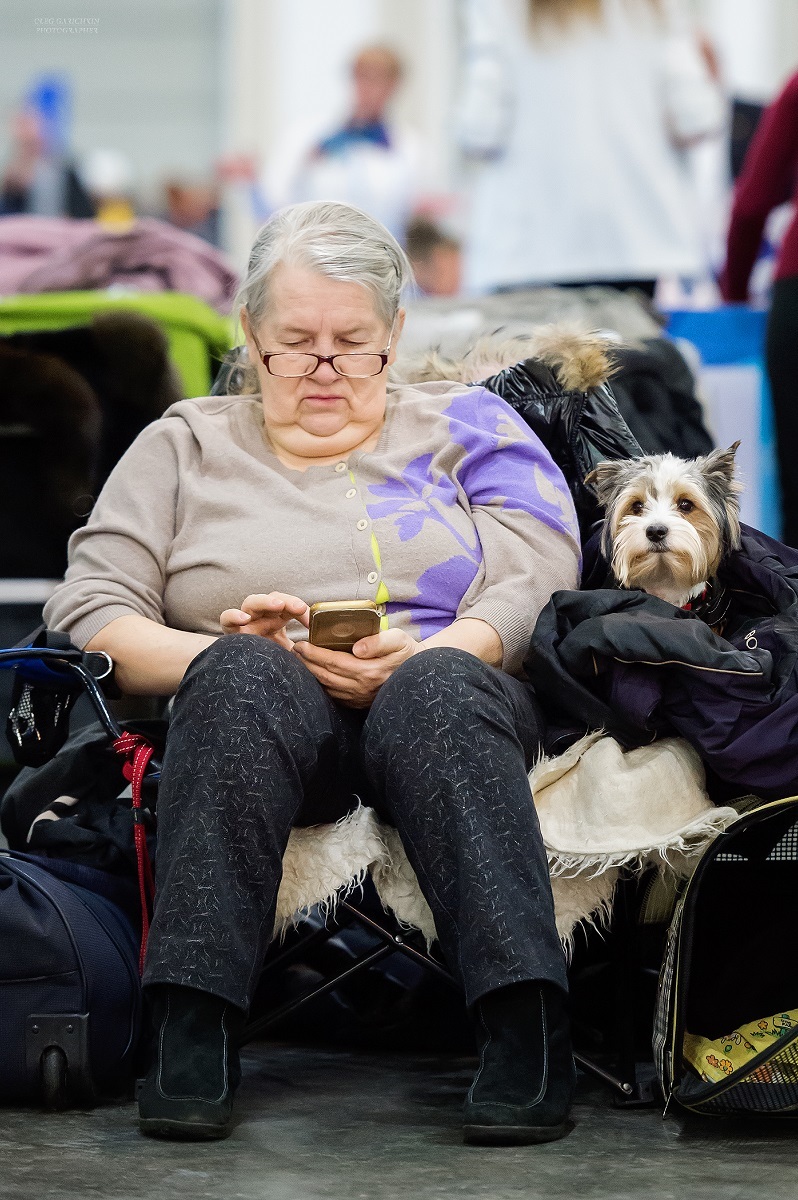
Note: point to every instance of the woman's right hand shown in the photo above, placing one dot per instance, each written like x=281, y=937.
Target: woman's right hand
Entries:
x=266, y=614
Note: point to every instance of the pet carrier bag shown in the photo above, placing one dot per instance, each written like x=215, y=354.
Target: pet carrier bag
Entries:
x=726, y=1025
x=70, y=998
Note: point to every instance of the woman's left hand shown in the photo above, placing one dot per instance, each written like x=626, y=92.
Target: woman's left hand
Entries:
x=354, y=679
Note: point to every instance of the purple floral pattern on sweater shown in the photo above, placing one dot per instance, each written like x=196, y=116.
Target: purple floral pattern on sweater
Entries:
x=504, y=466
x=505, y=461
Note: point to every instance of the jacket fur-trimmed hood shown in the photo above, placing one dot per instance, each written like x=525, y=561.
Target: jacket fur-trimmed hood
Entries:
x=579, y=361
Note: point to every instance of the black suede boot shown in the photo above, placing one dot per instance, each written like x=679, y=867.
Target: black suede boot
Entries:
x=523, y=1090
x=188, y=1092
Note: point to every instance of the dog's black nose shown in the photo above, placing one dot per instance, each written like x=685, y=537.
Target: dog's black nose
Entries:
x=657, y=533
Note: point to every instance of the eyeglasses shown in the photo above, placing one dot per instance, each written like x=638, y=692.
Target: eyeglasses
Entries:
x=290, y=364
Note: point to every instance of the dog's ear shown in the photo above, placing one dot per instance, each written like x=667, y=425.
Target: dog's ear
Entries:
x=719, y=469
x=606, y=478
x=719, y=473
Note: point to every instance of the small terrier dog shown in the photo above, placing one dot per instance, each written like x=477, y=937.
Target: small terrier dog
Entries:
x=669, y=522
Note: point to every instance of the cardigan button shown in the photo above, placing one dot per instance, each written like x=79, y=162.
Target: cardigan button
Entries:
x=340, y=467
x=362, y=524
x=352, y=492
x=372, y=576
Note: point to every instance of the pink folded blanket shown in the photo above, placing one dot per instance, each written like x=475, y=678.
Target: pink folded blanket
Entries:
x=56, y=254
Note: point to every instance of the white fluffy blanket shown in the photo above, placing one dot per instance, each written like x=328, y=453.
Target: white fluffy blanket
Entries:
x=600, y=809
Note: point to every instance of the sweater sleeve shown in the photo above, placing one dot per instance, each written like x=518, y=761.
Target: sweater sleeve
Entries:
x=524, y=517
x=767, y=180
x=117, y=561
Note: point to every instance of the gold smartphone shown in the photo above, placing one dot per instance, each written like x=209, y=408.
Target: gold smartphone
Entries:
x=338, y=624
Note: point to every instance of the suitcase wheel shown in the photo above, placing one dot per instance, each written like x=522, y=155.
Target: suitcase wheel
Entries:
x=53, y=1077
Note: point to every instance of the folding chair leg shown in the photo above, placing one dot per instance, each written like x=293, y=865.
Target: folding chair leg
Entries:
x=633, y=1087
x=397, y=942
x=623, y=1086
x=391, y=943
x=262, y=1023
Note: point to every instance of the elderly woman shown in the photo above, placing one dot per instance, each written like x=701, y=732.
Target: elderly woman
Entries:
x=222, y=523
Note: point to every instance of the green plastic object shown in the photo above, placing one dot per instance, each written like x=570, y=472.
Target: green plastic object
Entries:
x=198, y=336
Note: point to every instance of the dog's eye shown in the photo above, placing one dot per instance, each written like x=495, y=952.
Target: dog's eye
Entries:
x=685, y=506
x=636, y=508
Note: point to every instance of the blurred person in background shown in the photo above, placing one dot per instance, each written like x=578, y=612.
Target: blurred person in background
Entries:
x=109, y=179
x=194, y=207
x=366, y=159
x=769, y=178
x=435, y=257
x=37, y=179
x=577, y=115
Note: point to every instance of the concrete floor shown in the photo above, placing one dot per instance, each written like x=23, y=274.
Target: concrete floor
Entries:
x=322, y=1125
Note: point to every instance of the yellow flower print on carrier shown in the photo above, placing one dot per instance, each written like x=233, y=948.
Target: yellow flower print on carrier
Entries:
x=715, y=1060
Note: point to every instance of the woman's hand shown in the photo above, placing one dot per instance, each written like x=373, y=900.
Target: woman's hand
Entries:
x=354, y=679
x=267, y=616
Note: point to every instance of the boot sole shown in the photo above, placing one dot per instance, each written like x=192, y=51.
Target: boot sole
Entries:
x=514, y=1135
x=183, y=1131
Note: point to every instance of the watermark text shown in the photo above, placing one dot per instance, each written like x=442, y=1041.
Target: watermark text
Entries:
x=66, y=25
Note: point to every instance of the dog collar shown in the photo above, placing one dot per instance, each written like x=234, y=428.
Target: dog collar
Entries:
x=694, y=604
x=712, y=606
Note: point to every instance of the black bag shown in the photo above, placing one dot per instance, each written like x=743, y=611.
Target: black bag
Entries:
x=70, y=997
x=656, y=395
x=578, y=429
x=71, y=806
x=726, y=1026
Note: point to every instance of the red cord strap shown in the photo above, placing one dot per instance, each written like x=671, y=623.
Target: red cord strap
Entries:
x=138, y=752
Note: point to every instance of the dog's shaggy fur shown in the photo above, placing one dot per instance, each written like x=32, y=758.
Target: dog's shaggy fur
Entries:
x=669, y=522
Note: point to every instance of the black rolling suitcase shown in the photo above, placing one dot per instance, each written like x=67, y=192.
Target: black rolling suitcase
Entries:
x=70, y=996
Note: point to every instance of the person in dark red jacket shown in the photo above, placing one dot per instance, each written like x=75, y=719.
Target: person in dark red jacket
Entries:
x=768, y=179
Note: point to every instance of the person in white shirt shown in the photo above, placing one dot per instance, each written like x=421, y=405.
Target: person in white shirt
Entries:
x=367, y=159
x=577, y=115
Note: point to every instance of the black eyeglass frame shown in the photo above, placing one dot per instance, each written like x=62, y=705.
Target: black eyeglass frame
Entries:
x=267, y=356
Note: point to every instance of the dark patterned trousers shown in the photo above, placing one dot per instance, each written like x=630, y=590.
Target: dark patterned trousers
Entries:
x=255, y=746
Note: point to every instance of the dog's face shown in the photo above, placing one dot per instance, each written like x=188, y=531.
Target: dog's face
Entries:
x=668, y=521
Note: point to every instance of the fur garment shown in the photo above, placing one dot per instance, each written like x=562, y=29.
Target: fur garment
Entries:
x=579, y=360
x=600, y=810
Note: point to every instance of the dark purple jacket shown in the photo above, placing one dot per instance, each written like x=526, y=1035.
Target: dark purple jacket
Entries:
x=640, y=668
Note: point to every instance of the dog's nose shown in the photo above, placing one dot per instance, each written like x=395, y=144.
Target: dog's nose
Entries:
x=657, y=533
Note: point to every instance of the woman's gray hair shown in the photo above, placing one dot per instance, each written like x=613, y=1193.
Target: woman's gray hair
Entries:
x=336, y=240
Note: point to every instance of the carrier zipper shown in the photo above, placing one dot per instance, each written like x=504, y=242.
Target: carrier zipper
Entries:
x=678, y=662
x=669, y=1096
x=135, y=979
x=681, y=978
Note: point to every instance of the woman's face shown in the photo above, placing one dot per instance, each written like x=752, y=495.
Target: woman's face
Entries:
x=324, y=415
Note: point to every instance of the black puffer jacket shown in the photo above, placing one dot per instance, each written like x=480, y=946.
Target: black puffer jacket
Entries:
x=578, y=429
